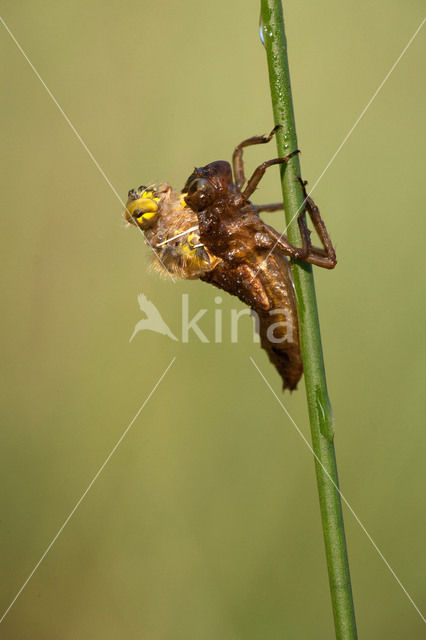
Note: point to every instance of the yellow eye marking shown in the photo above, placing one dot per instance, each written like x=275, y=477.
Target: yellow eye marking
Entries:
x=149, y=195
x=145, y=205
x=146, y=216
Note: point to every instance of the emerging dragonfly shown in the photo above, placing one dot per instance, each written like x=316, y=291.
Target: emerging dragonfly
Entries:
x=213, y=232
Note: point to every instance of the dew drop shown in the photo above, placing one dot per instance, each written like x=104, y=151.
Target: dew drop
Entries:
x=264, y=32
x=262, y=39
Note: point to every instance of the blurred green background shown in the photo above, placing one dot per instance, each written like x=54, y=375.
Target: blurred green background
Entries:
x=205, y=522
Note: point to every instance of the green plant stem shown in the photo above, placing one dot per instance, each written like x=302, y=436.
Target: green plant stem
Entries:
x=320, y=412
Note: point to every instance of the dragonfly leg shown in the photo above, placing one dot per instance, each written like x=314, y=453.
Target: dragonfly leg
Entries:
x=237, y=156
x=321, y=257
x=260, y=172
x=269, y=238
x=276, y=206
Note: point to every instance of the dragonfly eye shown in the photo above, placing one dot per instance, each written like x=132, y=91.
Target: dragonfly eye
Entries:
x=200, y=194
x=142, y=208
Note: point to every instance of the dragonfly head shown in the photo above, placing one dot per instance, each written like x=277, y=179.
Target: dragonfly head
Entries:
x=207, y=184
x=142, y=206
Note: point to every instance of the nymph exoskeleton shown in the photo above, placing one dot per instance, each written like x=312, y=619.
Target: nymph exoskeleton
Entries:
x=213, y=232
x=253, y=254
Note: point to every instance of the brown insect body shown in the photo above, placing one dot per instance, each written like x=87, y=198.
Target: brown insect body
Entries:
x=213, y=232
x=259, y=277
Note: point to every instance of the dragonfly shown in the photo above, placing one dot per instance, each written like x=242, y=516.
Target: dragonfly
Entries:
x=213, y=232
